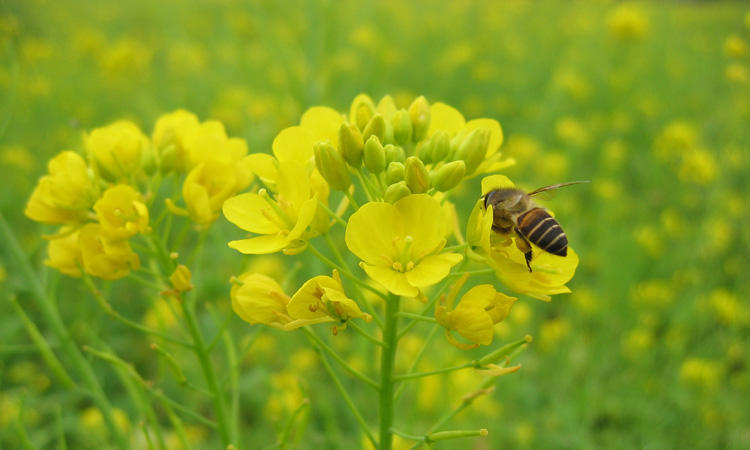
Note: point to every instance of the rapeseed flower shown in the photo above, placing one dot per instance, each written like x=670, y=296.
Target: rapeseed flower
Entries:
x=400, y=244
x=322, y=299
x=476, y=314
x=121, y=212
x=257, y=298
x=209, y=184
x=169, y=136
x=103, y=257
x=64, y=253
x=549, y=272
x=116, y=150
x=66, y=194
x=282, y=221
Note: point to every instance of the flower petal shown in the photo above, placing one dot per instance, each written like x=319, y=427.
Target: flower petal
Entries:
x=394, y=281
x=423, y=219
x=260, y=245
x=496, y=133
x=432, y=269
x=305, y=217
x=496, y=182
x=293, y=144
x=445, y=117
x=473, y=324
x=371, y=231
x=251, y=212
x=322, y=123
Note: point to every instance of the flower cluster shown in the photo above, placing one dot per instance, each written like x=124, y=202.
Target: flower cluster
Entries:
x=395, y=169
x=103, y=200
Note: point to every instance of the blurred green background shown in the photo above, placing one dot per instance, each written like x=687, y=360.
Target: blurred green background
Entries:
x=649, y=101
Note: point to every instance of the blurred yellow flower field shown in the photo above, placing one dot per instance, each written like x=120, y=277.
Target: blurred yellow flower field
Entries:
x=264, y=224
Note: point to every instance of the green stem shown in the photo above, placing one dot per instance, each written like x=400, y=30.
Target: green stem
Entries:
x=330, y=212
x=364, y=333
x=345, y=272
x=51, y=314
x=345, y=394
x=365, y=188
x=199, y=346
x=410, y=376
x=417, y=317
x=354, y=372
x=387, y=363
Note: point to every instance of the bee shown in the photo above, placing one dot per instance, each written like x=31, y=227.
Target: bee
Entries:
x=513, y=210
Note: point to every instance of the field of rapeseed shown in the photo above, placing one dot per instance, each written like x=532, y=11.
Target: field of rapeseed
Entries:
x=267, y=224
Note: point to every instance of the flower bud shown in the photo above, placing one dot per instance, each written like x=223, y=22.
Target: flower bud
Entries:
x=448, y=176
x=331, y=166
x=396, y=192
x=394, y=153
x=419, y=113
x=374, y=155
x=401, y=126
x=361, y=111
x=440, y=146
x=351, y=144
x=417, y=177
x=423, y=151
x=375, y=127
x=396, y=172
x=473, y=148
x=180, y=279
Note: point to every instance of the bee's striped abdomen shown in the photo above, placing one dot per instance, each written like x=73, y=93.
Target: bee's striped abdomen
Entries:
x=543, y=230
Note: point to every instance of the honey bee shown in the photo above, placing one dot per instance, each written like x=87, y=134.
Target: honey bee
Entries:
x=513, y=210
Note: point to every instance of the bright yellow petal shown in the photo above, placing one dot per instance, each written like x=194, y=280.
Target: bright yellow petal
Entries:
x=394, y=281
x=473, y=324
x=293, y=185
x=477, y=297
x=293, y=143
x=496, y=182
x=260, y=245
x=322, y=123
x=444, y=117
x=306, y=215
x=371, y=231
x=422, y=218
x=496, y=133
x=251, y=213
x=432, y=269
x=264, y=166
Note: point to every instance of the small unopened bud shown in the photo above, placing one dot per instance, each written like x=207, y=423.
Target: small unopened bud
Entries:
x=396, y=172
x=331, y=166
x=419, y=113
x=361, y=111
x=401, y=126
x=375, y=127
x=352, y=144
x=448, y=176
x=374, y=155
x=424, y=151
x=394, y=153
x=396, y=192
x=440, y=146
x=417, y=177
x=180, y=279
x=473, y=148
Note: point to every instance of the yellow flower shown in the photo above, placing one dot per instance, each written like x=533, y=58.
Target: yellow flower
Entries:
x=121, y=212
x=64, y=254
x=180, y=279
x=322, y=299
x=476, y=313
x=169, y=137
x=698, y=166
x=550, y=272
x=116, y=149
x=105, y=258
x=627, y=22
x=257, y=298
x=400, y=244
x=209, y=142
x=65, y=195
x=281, y=221
x=209, y=184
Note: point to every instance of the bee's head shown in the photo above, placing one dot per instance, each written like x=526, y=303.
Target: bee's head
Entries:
x=505, y=198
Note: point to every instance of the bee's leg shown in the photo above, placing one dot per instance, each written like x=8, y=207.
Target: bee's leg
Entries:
x=523, y=244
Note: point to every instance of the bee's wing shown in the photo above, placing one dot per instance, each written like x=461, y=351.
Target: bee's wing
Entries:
x=554, y=186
